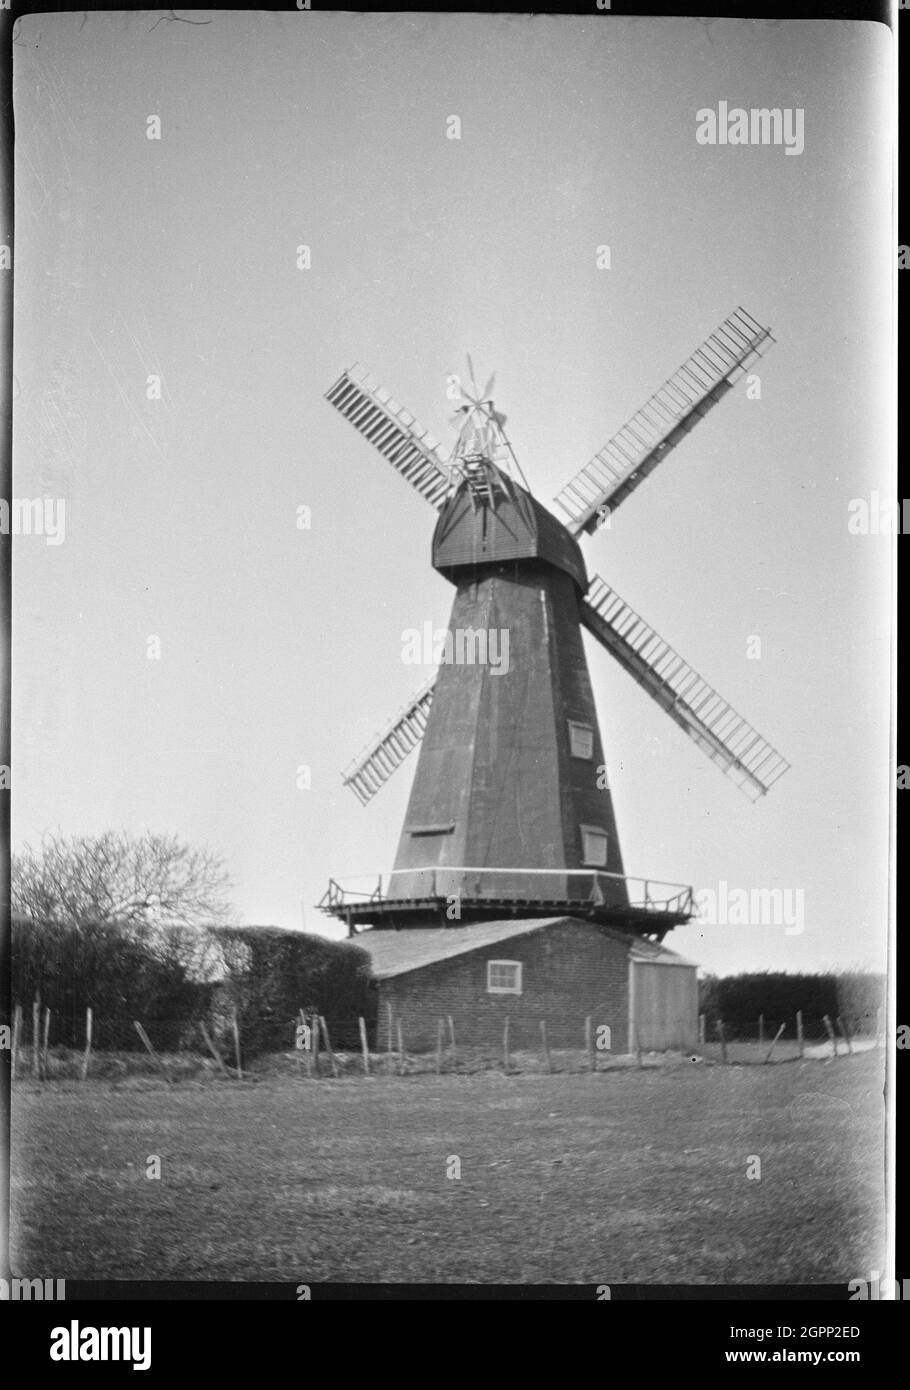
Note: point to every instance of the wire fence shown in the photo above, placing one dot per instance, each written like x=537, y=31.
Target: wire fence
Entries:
x=317, y=1046
x=220, y=1032
x=814, y=1028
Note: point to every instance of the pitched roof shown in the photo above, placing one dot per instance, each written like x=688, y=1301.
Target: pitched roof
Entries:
x=413, y=948
x=645, y=950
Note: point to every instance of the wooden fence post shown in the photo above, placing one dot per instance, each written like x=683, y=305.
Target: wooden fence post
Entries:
x=211, y=1046
x=774, y=1043
x=799, y=1033
x=505, y=1043
x=440, y=1031
x=400, y=1048
x=452, y=1037
x=546, y=1051
x=87, y=1054
x=313, y=1040
x=36, y=1036
x=641, y=1060
x=845, y=1034
x=146, y=1043
x=236, y=1029
x=46, y=1033
x=831, y=1034
x=328, y=1045
x=364, y=1047
x=701, y=1030
x=761, y=1030
x=723, y=1041
x=17, y=1038
x=300, y=1022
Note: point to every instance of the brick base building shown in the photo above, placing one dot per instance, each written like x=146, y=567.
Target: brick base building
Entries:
x=557, y=969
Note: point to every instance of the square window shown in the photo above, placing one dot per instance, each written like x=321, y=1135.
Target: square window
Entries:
x=593, y=847
x=581, y=740
x=503, y=977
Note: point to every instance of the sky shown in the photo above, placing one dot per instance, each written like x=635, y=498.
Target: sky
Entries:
x=176, y=259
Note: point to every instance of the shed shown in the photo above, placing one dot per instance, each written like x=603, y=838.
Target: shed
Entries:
x=663, y=998
x=558, y=970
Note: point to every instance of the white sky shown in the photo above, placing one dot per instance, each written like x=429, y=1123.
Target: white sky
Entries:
x=282, y=647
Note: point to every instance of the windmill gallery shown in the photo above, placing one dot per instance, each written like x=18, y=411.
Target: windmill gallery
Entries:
x=510, y=817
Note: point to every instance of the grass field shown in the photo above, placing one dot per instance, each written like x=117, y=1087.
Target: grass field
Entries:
x=622, y=1176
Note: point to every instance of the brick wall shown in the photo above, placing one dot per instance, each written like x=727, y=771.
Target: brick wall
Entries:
x=569, y=970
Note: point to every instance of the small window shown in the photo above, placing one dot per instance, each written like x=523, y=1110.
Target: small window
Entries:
x=593, y=847
x=581, y=740
x=503, y=977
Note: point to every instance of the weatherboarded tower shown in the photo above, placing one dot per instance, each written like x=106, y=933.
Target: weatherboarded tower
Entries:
x=511, y=775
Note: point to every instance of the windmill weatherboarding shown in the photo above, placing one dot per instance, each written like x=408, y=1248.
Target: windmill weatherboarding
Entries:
x=510, y=813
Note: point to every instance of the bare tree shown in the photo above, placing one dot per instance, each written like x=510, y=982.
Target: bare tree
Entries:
x=141, y=881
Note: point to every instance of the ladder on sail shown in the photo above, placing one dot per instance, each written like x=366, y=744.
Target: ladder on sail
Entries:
x=670, y=414
x=411, y=450
x=371, y=770
x=695, y=706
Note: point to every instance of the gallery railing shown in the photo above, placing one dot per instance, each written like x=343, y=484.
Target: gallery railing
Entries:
x=526, y=885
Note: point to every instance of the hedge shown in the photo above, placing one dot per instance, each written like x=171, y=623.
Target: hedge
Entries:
x=855, y=996
x=270, y=975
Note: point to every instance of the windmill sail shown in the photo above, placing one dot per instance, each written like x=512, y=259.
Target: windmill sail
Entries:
x=709, y=721
x=409, y=448
x=665, y=419
x=369, y=772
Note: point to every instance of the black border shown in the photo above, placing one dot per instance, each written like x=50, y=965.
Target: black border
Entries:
x=81, y=1295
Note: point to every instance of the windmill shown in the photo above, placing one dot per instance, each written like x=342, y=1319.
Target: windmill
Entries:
x=510, y=812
